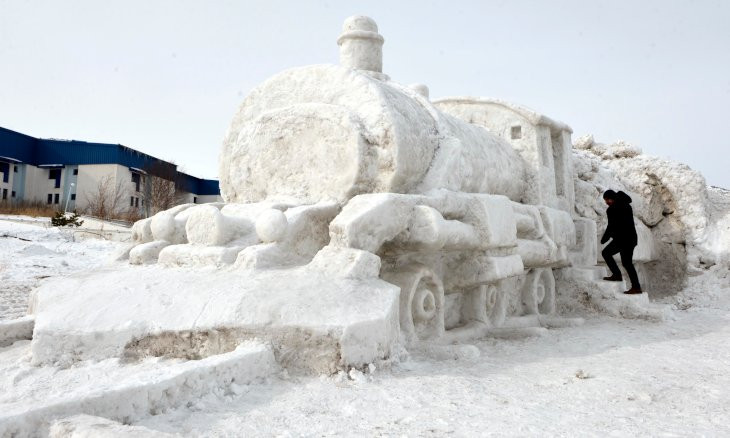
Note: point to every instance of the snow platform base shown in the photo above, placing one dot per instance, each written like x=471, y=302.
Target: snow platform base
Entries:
x=314, y=322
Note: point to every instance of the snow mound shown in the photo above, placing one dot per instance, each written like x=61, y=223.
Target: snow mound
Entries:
x=36, y=250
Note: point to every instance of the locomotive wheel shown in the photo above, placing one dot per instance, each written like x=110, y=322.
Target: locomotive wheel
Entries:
x=496, y=305
x=538, y=292
x=421, y=302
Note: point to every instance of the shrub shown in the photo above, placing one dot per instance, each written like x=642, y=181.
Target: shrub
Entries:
x=61, y=219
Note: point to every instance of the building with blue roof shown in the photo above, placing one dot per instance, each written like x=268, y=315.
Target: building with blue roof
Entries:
x=73, y=173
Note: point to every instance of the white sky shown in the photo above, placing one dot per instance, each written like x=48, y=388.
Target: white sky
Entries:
x=165, y=77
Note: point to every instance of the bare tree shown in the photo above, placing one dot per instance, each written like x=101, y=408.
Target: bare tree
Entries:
x=106, y=200
x=161, y=188
x=162, y=194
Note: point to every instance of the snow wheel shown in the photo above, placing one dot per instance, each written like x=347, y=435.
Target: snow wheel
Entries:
x=421, y=302
x=495, y=303
x=538, y=292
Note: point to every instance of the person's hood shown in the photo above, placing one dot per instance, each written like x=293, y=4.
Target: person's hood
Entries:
x=623, y=197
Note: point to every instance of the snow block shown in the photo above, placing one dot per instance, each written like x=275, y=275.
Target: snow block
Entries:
x=147, y=252
x=585, y=250
x=315, y=322
x=559, y=226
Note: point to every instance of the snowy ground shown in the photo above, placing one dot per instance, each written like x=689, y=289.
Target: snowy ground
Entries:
x=608, y=377
x=31, y=253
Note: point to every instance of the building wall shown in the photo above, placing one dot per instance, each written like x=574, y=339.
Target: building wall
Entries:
x=113, y=181
x=90, y=161
x=19, y=181
x=76, y=191
x=6, y=181
x=204, y=199
x=38, y=185
x=192, y=198
x=89, y=180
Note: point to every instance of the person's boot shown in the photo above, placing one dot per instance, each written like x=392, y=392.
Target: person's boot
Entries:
x=633, y=291
x=613, y=278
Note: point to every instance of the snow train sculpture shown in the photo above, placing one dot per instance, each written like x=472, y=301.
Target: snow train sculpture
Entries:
x=324, y=162
x=358, y=216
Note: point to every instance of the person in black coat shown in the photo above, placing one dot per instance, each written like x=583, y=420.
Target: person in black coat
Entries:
x=623, y=232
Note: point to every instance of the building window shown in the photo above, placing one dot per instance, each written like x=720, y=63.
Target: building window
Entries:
x=55, y=198
x=12, y=195
x=55, y=174
x=5, y=169
x=135, y=180
x=195, y=199
x=50, y=198
x=76, y=171
x=143, y=203
x=5, y=194
x=516, y=132
x=136, y=202
x=73, y=196
x=15, y=169
x=131, y=201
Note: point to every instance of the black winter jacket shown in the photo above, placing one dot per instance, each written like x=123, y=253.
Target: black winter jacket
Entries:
x=621, y=222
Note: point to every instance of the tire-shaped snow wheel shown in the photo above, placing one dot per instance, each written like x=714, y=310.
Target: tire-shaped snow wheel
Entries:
x=421, y=302
x=538, y=292
x=495, y=305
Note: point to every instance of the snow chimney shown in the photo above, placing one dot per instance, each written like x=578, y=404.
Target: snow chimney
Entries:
x=361, y=46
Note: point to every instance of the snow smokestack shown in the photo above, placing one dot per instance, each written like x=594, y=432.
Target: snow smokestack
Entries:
x=361, y=46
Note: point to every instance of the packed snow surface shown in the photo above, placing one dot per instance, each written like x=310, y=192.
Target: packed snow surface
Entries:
x=607, y=378
x=30, y=253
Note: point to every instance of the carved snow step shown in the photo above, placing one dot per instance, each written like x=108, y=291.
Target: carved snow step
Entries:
x=615, y=290
x=129, y=392
x=609, y=297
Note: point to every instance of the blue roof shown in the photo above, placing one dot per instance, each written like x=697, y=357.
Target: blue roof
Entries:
x=17, y=146
x=24, y=148
x=198, y=186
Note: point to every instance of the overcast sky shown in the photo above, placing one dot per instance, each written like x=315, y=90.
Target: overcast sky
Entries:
x=165, y=77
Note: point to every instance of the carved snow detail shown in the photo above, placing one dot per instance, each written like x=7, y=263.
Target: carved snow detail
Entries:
x=421, y=302
x=538, y=292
